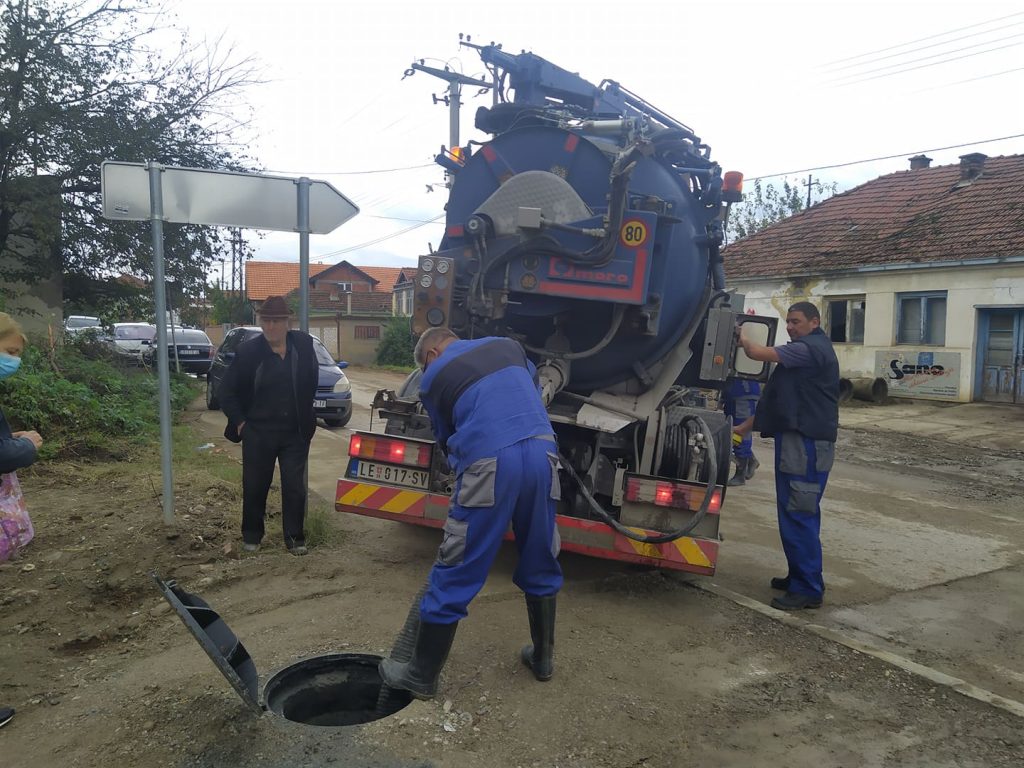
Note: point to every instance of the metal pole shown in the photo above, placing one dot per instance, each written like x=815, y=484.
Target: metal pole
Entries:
x=156, y=215
x=303, y=227
x=454, y=90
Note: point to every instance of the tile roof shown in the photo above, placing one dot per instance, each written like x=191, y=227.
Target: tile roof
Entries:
x=373, y=303
x=902, y=218
x=276, y=278
x=386, y=277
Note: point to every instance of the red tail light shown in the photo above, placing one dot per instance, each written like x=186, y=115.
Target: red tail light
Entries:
x=664, y=493
x=390, y=450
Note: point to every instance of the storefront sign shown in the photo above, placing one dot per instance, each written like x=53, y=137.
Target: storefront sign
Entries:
x=913, y=373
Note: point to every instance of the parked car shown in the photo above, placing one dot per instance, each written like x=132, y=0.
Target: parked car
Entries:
x=333, y=401
x=189, y=347
x=129, y=338
x=75, y=324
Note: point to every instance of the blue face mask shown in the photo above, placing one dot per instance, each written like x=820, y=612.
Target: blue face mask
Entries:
x=9, y=365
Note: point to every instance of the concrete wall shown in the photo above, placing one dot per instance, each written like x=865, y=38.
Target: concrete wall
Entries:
x=339, y=336
x=967, y=288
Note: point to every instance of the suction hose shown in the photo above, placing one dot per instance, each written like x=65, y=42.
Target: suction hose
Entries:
x=402, y=650
x=664, y=538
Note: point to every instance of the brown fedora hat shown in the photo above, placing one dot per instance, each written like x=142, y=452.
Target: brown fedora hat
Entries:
x=274, y=306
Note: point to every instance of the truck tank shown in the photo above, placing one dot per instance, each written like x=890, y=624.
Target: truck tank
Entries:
x=587, y=227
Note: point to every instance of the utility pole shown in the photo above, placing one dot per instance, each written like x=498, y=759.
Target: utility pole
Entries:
x=810, y=183
x=453, y=98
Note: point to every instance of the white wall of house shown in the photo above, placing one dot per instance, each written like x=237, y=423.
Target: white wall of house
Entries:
x=966, y=289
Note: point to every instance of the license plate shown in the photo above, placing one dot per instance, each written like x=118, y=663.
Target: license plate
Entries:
x=414, y=478
x=188, y=352
x=319, y=403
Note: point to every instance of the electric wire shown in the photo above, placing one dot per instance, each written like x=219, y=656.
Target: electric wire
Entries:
x=885, y=157
x=932, y=64
x=377, y=240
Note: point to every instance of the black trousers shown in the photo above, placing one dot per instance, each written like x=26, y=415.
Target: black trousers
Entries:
x=262, y=447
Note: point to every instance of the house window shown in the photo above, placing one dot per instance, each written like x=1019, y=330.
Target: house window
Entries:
x=367, y=332
x=344, y=287
x=921, y=318
x=844, y=319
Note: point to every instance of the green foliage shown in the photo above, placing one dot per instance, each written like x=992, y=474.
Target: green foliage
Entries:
x=85, y=80
x=85, y=403
x=767, y=204
x=396, y=344
x=229, y=307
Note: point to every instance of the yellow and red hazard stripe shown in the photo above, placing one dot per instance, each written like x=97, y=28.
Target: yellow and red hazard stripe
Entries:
x=585, y=537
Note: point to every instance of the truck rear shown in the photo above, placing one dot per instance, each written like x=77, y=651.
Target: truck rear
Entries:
x=587, y=228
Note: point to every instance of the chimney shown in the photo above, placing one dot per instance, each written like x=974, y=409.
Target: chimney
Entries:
x=971, y=166
x=917, y=162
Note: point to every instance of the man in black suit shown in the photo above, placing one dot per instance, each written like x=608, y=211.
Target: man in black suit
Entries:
x=267, y=394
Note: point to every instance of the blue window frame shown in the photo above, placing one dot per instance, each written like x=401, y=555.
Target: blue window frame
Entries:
x=921, y=318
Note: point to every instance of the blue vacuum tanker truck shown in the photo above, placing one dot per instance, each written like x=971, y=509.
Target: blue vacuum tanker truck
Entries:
x=588, y=228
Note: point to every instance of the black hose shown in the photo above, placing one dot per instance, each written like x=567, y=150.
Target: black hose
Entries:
x=620, y=311
x=711, y=462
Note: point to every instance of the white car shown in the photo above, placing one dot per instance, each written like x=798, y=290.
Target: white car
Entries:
x=129, y=338
x=75, y=324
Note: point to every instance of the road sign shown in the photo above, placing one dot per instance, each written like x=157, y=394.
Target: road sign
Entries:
x=221, y=198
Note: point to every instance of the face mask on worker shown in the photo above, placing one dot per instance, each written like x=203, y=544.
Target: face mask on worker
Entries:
x=9, y=365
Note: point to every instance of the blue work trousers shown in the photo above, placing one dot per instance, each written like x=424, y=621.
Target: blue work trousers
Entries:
x=801, y=472
x=520, y=487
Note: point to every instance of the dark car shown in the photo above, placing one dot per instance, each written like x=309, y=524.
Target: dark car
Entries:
x=188, y=347
x=333, y=401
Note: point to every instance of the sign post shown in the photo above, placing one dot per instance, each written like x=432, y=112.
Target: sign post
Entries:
x=140, y=191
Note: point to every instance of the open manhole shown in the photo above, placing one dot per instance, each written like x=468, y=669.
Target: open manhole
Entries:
x=335, y=689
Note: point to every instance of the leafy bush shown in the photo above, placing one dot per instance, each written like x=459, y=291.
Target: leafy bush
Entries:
x=396, y=344
x=85, y=403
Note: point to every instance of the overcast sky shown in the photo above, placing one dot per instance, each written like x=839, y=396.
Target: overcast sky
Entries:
x=770, y=86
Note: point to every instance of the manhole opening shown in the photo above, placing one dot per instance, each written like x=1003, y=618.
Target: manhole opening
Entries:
x=334, y=690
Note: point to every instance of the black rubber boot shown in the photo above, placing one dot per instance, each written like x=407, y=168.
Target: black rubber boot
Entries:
x=420, y=675
x=740, y=478
x=539, y=657
x=752, y=465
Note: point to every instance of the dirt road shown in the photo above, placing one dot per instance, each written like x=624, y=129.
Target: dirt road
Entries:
x=651, y=671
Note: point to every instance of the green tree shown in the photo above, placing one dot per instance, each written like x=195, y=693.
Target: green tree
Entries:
x=396, y=344
x=229, y=307
x=767, y=204
x=82, y=81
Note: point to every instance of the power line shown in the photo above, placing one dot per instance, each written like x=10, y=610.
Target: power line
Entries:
x=969, y=80
x=375, y=241
x=925, y=66
x=886, y=157
x=923, y=39
x=925, y=48
x=352, y=173
x=925, y=58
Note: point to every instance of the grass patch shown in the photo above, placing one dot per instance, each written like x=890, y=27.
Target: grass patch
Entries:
x=86, y=403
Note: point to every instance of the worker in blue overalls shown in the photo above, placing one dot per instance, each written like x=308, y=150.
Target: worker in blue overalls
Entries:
x=800, y=410
x=486, y=413
x=740, y=400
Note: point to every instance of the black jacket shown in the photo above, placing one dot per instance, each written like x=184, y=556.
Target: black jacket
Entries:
x=15, y=453
x=237, y=388
x=804, y=400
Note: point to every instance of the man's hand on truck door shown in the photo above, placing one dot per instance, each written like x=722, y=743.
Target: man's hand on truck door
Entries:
x=756, y=351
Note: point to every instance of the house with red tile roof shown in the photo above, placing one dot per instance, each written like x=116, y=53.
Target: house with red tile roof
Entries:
x=919, y=277
x=349, y=306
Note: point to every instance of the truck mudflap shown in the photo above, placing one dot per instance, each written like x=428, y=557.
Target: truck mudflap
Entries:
x=585, y=537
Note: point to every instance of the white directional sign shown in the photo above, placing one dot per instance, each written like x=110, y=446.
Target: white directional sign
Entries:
x=221, y=198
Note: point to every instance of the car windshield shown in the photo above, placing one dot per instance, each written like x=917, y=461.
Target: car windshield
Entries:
x=322, y=355
x=135, y=332
x=182, y=336
x=83, y=322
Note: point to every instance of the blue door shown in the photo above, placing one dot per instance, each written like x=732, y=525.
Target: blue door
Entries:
x=1002, y=373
